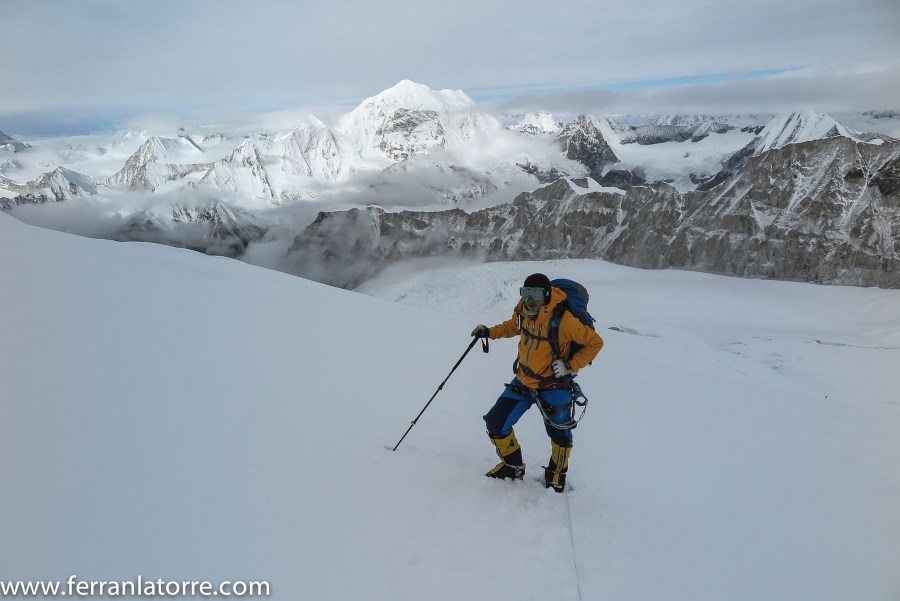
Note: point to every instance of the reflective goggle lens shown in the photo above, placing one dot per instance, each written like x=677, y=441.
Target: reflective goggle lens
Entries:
x=534, y=295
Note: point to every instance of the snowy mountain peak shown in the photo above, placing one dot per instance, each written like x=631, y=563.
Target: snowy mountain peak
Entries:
x=537, y=123
x=311, y=127
x=169, y=150
x=58, y=185
x=803, y=126
x=157, y=161
x=405, y=110
x=409, y=94
x=72, y=179
x=314, y=144
x=314, y=122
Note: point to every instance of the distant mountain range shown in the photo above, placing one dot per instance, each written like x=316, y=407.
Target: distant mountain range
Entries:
x=793, y=196
x=824, y=211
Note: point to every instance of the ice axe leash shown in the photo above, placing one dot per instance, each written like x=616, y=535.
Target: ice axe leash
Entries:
x=485, y=346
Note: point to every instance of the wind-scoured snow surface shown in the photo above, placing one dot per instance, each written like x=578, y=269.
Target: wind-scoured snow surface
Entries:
x=185, y=417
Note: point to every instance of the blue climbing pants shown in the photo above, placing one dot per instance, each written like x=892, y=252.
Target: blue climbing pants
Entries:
x=512, y=405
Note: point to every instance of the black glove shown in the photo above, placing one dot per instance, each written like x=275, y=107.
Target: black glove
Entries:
x=481, y=331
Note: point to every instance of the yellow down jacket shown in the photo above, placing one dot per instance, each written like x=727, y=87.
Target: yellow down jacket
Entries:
x=534, y=346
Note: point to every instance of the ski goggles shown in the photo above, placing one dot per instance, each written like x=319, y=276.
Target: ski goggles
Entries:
x=531, y=295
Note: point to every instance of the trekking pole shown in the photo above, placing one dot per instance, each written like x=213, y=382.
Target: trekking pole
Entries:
x=484, y=347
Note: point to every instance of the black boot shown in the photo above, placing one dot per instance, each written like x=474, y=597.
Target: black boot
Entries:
x=555, y=472
x=510, y=453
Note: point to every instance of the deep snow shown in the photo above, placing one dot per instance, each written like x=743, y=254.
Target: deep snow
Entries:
x=179, y=416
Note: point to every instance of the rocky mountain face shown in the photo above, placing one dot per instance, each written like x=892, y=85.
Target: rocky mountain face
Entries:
x=825, y=211
x=584, y=142
x=210, y=227
x=408, y=132
x=787, y=129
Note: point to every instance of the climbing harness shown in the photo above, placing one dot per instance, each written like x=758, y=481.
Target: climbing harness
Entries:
x=549, y=411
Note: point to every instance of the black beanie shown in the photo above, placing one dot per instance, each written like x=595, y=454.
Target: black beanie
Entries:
x=539, y=280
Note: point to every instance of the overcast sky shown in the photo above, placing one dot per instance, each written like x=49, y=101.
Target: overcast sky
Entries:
x=88, y=63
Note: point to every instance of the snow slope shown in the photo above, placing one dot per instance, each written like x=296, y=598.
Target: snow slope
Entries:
x=180, y=416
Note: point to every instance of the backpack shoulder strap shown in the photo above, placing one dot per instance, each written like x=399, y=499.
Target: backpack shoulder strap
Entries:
x=555, y=320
